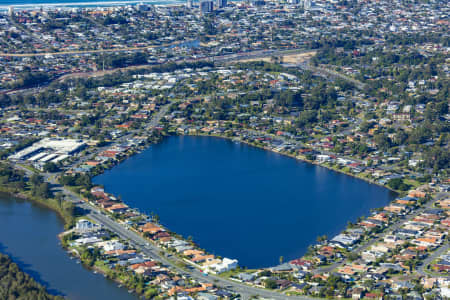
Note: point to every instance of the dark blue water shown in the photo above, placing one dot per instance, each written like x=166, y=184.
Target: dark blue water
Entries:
x=239, y=201
x=28, y=233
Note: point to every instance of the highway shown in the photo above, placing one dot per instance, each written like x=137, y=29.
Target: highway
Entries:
x=92, y=51
x=331, y=73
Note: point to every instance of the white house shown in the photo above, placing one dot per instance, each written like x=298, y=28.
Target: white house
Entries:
x=113, y=245
x=87, y=241
x=226, y=265
x=84, y=225
x=323, y=158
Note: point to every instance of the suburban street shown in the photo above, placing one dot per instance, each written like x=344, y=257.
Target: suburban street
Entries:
x=149, y=248
x=441, y=250
x=161, y=255
x=336, y=114
x=390, y=229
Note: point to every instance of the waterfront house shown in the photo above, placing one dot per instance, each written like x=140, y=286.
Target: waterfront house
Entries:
x=246, y=277
x=202, y=258
x=84, y=225
x=112, y=245
x=286, y=267
x=117, y=208
x=303, y=264
x=87, y=241
x=223, y=266
x=150, y=228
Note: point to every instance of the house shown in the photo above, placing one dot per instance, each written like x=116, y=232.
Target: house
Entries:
x=113, y=245
x=117, y=208
x=357, y=293
x=224, y=266
x=323, y=158
x=206, y=296
x=87, y=241
x=286, y=267
x=150, y=228
x=246, y=277
x=376, y=296
x=297, y=287
x=344, y=240
x=84, y=225
x=371, y=255
x=300, y=263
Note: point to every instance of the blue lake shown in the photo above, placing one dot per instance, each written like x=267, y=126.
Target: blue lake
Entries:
x=238, y=201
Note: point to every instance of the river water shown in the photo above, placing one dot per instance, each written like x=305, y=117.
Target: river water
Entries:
x=28, y=233
x=238, y=201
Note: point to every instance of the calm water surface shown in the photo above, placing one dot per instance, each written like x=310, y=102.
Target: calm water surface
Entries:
x=239, y=201
x=78, y=3
x=28, y=233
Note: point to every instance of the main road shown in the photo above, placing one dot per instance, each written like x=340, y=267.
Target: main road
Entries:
x=162, y=255
x=149, y=248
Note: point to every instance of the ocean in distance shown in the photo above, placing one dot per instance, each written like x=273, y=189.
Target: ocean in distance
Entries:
x=34, y=4
x=239, y=201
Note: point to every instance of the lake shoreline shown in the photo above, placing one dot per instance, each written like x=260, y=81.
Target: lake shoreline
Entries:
x=299, y=158
x=41, y=202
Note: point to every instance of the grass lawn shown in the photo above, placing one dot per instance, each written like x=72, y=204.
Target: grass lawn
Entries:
x=30, y=168
x=412, y=182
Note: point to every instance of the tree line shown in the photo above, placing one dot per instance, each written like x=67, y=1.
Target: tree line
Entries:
x=15, y=284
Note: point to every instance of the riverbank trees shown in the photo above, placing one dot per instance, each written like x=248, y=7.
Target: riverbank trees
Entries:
x=16, y=183
x=15, y=284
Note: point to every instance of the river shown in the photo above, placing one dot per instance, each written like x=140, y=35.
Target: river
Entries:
x=239, y=201
x=28, y=233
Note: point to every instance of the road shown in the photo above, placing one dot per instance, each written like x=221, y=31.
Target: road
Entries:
x=441, y=250
x=155, y=252
x=152, y=250
x=324, y=72
x=159, y=254
x=93, y=51
x=66, y=76
x=390, y=229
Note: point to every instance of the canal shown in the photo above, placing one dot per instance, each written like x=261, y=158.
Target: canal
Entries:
x=28, y=234
x=239, y=201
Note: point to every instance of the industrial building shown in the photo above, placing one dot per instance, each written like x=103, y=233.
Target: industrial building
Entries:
x=49, y=150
